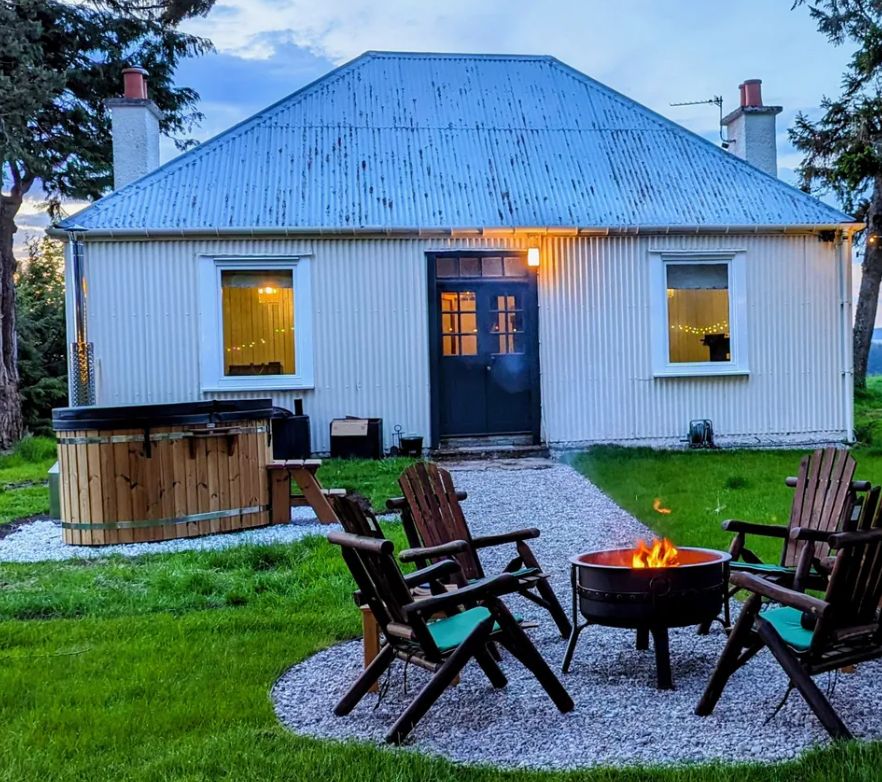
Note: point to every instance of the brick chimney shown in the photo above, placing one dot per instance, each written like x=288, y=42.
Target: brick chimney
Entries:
x=135, y=128
x=751, y=128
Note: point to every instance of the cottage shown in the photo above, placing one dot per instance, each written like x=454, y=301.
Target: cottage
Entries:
x=468, y=245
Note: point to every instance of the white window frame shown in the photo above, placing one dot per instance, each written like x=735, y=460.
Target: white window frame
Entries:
x=662, y=366
x=211, y=332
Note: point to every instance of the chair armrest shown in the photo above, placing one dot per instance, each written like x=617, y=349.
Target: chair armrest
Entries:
x=435, y=572
x=502, y=584
x=855, y=485
x=484, y=541
x=374, y=545
x=780, y=594
x=752, y=528
x=844, y=539
x=434, y=552
x=815, y=535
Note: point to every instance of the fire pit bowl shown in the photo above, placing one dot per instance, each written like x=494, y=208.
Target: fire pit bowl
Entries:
x=609, y=590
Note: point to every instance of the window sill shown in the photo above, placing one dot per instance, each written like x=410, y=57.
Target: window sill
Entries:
x=272, y=383
x=701, y=370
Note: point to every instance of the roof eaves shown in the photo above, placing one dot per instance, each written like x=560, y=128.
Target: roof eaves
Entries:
x=60, y=231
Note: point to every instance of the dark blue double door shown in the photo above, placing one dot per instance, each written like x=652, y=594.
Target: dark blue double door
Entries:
x=485, y=347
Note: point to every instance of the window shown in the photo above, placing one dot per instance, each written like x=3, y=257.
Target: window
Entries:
x=459, y=324
x=506, y=324
x=699, y=314
x=255, y=324
x=257, y=309
x=447, y=266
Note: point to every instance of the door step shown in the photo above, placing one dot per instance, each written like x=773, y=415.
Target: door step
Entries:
x=509, y=447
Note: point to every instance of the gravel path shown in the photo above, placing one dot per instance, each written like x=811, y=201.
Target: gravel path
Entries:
x=40, y=541
x=620, y=718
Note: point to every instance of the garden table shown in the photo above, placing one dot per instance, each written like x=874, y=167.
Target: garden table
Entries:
x=303, y=473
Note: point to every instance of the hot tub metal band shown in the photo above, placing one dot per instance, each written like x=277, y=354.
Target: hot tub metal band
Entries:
x=176, y=521
x=154, y=438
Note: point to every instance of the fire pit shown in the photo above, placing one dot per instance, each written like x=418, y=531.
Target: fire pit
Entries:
x=648, y=588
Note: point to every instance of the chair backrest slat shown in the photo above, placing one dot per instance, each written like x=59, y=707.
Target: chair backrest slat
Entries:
x=866, y=600
x=855, y=586
x=436, y=513
x=356, y=516
x=869, y=509
x=823, y=499
x=383, y=588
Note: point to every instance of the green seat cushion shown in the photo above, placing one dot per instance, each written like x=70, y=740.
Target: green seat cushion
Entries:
x=788, y=624
x=450, y=632
x=763, y=567
x=525, y=571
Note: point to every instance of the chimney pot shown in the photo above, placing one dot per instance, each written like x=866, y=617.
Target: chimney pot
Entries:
x=135, y=83
x=134, y=121
x=752, y=92
x=750, y=129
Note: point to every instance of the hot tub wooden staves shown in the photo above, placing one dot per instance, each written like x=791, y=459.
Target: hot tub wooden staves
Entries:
x=161, y=472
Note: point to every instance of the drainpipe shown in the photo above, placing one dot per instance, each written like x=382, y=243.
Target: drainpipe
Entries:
x=82, y=374
x=843, y=259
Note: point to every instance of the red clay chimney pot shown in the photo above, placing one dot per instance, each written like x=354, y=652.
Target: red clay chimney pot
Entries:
x=134, y=83
x=752, y=92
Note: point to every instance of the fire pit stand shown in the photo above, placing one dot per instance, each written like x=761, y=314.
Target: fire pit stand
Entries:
x=608, y=591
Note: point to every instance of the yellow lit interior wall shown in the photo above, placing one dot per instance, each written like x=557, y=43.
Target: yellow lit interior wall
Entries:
x=690, y=311
x=258, y=327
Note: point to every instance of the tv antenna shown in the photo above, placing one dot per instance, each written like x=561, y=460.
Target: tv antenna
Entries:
x=717, y=101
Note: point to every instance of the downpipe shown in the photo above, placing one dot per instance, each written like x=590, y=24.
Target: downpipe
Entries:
x=843, y=246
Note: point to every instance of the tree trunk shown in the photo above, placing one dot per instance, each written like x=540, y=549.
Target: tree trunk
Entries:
x=10, y=401
x=868, y=298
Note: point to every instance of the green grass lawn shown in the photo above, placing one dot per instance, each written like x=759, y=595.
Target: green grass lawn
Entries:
x=700, y=489
x=378, y=481
x=27, y=464
x=159, y=668
x=703, y=488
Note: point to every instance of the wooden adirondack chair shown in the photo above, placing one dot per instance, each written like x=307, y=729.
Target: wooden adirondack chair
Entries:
x=825, y=499
x=476, y=617
x=357, y=518
x=808, y=635
x=432, y=515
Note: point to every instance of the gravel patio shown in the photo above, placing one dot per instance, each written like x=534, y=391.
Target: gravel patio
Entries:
x=620, y=718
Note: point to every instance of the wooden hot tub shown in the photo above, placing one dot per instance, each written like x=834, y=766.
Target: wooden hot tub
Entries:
x=160, y=472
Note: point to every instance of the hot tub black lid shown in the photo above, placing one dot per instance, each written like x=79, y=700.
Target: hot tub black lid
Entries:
x=210, y=411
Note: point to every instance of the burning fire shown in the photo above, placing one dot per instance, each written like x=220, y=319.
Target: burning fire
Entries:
x=661, y=553
x=658, y=508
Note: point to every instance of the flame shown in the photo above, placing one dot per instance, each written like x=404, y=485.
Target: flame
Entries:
x=662, y=553
x=657, y=506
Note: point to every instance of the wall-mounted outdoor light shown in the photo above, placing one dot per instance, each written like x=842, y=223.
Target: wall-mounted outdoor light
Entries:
x=533, y=257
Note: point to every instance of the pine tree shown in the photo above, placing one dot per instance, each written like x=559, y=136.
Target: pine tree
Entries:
x=843, y=149
x=59, y=62
x=42, y=367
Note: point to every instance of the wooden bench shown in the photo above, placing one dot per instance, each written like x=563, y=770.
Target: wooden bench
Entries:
x=303, y=473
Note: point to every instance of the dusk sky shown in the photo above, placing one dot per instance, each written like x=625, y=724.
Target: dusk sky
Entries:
x=656, y=51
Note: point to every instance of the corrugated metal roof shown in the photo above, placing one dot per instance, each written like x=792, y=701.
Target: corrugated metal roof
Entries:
x=446, y=141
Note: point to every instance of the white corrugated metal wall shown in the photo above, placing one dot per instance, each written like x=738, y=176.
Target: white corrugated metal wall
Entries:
x=371, y=341
x=598, y=380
